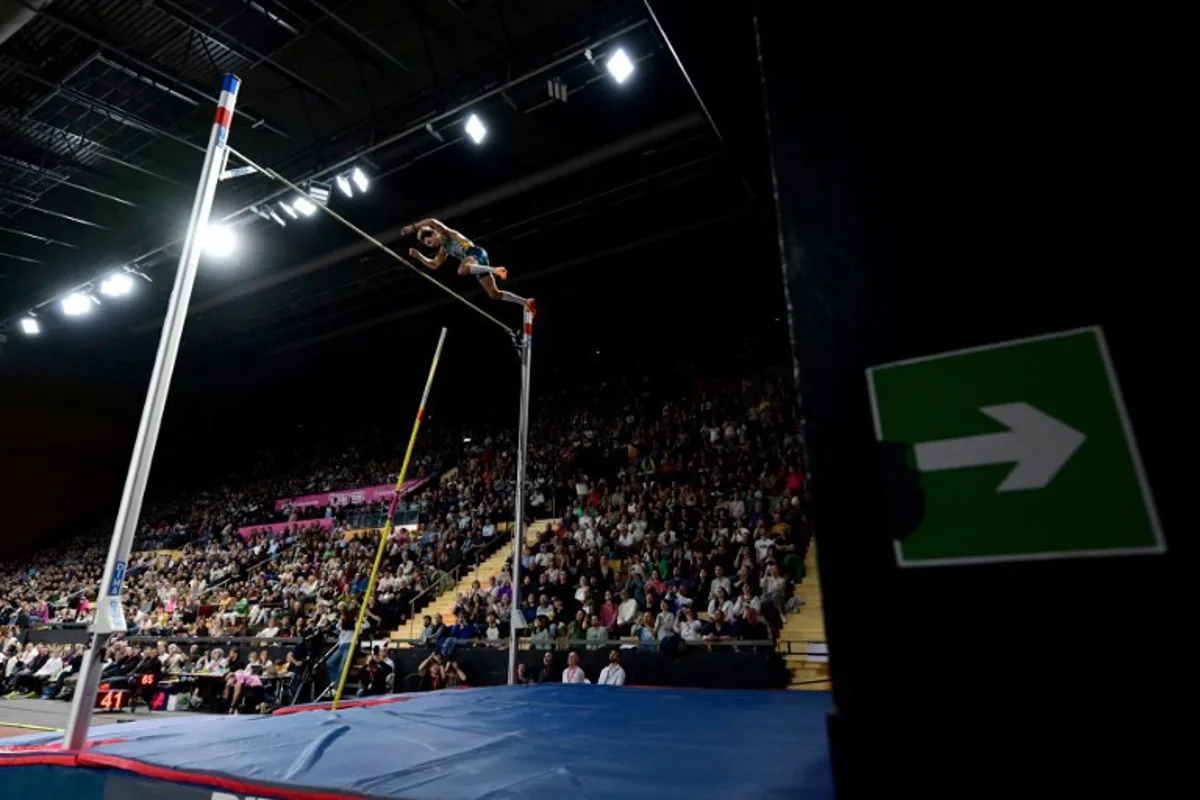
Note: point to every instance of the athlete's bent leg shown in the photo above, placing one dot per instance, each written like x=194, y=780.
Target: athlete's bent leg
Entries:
x=470, y=266
x=489, y=286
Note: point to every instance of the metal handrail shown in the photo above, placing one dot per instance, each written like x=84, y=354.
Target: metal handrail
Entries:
x=437, y=583
x=571, y=644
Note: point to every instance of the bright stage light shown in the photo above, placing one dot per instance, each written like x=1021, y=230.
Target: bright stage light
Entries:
x=619, y=66
x=304, y=205
x=219, y=241
x=343, y=183
x=476, y=129
x=116, y=285
x=360, y=179
x=291, y=212
x=30, y=327
x=76, y=304
x=319, y=191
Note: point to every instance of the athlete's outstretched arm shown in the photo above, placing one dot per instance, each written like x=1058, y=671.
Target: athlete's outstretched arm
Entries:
x=445, y=230
x=432, y=263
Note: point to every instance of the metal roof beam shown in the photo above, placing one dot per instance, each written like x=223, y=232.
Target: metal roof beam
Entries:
x=61, y=180
x=370, y=45
x=37, y=237
x=176, y=85
x=98, y=106
x=242, y=50
x=26, y=205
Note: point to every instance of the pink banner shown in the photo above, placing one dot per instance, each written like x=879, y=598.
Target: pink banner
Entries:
x=276, y=528
x=349, y=497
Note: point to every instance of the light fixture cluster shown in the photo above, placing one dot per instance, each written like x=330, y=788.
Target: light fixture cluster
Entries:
x=619, y=65
x=318, y=193
x=220, y=241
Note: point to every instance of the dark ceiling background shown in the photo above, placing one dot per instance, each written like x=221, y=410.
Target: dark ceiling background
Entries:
x=638, y=216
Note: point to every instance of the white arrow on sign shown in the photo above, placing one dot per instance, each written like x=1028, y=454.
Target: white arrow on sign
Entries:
x=1037, y=443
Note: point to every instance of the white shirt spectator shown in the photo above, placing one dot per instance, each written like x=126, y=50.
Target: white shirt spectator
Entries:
x=664, y=625
x=612, y=675
x=690, y=631
x=722, y=582
x=574, y=675
x=51, y=668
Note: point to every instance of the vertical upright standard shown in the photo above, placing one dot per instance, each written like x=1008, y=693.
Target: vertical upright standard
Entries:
x=110, y=617
x=526, y=347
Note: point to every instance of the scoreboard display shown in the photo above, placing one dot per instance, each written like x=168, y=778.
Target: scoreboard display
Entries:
x=109, y=698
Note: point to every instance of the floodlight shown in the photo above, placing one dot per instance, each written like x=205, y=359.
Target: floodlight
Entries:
x=343, y=183
x=360, y=179
x=219, y=241
x=30, y=327
x=619, y=66
x=76, y=304
x=476, y=129
x=319, y=191
x=304, y=205
x=466, y=440
x=291, y=212
x=116, y=285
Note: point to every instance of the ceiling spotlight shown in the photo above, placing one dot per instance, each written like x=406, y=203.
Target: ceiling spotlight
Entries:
x=319, y=191
x=304, y=205
x=219, y=241
x=76, y=304
x=30, y=327
x=476, y=129
x=280, y=221
x=343, y=184
x=360, y=179
x=291, y=212
x=619, y=66
x=116, y=285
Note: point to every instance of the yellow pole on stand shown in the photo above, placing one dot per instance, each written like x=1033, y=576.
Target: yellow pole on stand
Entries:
x=387, y=527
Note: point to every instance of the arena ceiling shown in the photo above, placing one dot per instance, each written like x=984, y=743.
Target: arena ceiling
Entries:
x=106, y=107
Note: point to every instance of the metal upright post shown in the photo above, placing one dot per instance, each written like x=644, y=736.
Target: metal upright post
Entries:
x=526, y=346
x=110, y=618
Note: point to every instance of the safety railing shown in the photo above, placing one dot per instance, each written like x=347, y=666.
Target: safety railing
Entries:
x=627, y=643
x=442, y=582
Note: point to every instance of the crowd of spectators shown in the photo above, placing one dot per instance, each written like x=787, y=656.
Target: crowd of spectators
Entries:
x=677, y=520
x=689, y=526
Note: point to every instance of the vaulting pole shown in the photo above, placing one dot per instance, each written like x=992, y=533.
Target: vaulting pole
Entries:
x=348, y=657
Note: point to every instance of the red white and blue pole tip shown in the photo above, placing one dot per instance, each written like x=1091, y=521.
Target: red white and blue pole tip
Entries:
x=229, y=91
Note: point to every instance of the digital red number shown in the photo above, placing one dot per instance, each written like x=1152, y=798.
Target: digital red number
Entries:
x=106, y=702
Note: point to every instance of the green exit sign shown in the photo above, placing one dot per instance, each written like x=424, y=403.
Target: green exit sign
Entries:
x=1024, y=452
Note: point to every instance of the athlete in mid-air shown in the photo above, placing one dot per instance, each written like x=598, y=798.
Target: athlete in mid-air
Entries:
x=472, y=259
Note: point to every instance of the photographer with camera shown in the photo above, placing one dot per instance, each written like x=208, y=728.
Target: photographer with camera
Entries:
x=440, y=673
x=346, y=625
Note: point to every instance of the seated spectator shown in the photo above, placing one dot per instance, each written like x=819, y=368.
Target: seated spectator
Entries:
x=41, y=670
x=717, y=629
x=596, y=633
x=574, y=673
x=689, y=627
x=547, y=673
x=614, y=673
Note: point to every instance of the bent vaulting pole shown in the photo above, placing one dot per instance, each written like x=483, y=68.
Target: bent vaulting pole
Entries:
x=110, y=617
x=526, y=346
x=386, y=533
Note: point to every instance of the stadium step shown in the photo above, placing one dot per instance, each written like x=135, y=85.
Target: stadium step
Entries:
x=444, y=604
x=802, y=640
